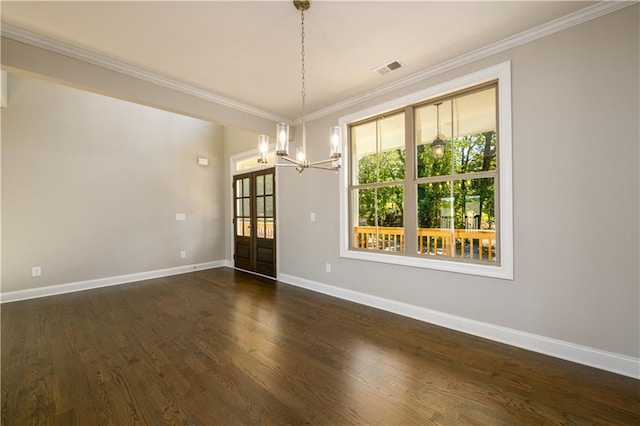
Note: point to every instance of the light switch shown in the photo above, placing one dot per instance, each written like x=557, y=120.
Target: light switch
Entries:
x=312, y=217
x=203, y=161
x=181, y=216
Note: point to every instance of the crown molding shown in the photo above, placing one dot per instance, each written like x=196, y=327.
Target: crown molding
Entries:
x=589, y=13
x=51, y=45
x=592, y=12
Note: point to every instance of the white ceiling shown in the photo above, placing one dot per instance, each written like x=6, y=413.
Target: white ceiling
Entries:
x=249, y=52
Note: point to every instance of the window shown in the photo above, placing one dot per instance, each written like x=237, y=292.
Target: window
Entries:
x=443, y=205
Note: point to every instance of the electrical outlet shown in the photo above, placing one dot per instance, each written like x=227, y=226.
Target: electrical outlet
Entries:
x=183, y=254
x=36, y=271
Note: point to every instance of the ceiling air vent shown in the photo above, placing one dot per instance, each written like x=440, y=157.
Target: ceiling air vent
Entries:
x=391, y=66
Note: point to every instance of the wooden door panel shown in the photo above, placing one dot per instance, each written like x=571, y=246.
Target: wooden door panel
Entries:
x=255, y=221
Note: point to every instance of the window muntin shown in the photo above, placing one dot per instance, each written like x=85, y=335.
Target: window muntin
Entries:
x=455, y=203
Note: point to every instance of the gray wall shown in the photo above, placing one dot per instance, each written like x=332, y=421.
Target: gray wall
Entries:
x=576, y=195
x=91, y=186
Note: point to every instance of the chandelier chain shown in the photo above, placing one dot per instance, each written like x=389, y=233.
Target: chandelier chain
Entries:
x=302, y=55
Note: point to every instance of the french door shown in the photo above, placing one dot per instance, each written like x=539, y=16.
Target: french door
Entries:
x=254, y=221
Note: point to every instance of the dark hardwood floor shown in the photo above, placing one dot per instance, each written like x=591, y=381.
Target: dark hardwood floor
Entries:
x=225, y=347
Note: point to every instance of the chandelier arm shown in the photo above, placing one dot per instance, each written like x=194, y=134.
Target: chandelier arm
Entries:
x=292, y=160
x=283, y=165
x=335, y=169
x=330, y=160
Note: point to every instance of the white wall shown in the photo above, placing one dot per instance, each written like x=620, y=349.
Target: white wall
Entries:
x=576, y=194
x=91, y=186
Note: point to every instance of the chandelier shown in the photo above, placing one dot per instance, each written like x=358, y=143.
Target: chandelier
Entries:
x=300, y=161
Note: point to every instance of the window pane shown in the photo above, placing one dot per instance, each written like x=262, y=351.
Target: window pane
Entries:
x=457, y=219
x=475, y=139
x=390, y=201
x=363, y=152
x=379, y=218
x=427, y=131
x=391, y=151
x=378, y=150
x=475, y=219
x=260, y=185
x=468, y=124
x=268, y=184
x=435, y=218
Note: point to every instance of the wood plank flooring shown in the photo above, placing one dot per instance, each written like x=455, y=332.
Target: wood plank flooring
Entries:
x=224, y=347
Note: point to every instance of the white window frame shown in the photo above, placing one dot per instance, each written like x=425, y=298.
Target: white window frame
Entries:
x=500, y=72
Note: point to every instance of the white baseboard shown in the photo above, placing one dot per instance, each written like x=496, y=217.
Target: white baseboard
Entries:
x=32, y=293
x=608, y=361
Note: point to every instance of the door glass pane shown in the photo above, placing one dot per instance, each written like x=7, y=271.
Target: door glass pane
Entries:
x=269, y=229
x=260, y=185
x=239, y=207
x=245, y=187
x=239, y=188
x=268, y=184
x=268, y=206
x=240, y=227
x=260, y=228
x=260, y=207
x=246, y=209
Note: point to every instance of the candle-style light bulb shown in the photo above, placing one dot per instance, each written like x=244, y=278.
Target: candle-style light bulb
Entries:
x=334, y=142
x=282, y=139
x=263, y=148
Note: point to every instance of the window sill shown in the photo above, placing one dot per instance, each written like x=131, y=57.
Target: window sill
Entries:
x=502, y=271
